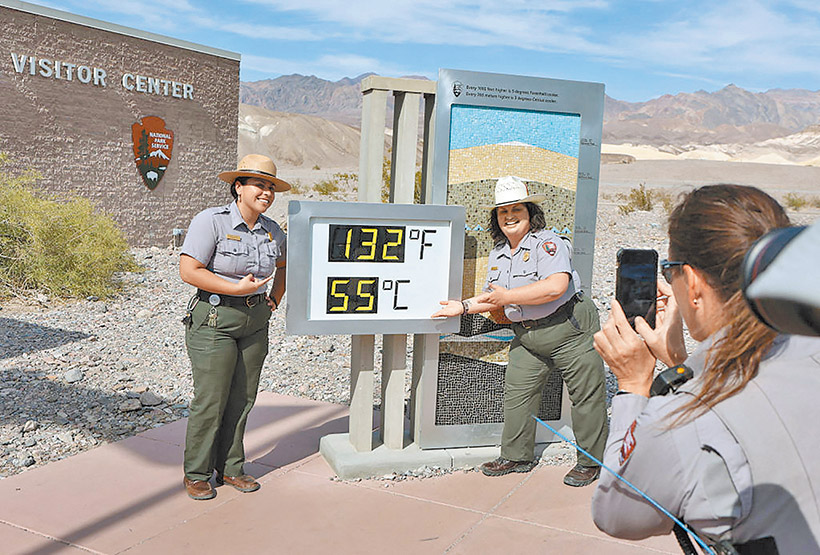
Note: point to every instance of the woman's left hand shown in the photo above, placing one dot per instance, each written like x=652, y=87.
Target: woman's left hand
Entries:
x=625, y=353
x=498, y=296
x=249, y=284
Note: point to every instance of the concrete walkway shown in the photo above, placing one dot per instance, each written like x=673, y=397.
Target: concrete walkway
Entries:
x=127, y=497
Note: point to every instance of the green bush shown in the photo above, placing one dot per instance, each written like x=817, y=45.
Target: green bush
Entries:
x=637, y=199
x=296, y=186
x=62, y=247
x=665, y=198
x=794, y=201
x=327, y=187
x=336, y=183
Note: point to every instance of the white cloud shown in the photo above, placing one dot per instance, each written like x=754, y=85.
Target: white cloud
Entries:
x=450, y=22
x=718, y=37
x=717, y=40
x=257, y=31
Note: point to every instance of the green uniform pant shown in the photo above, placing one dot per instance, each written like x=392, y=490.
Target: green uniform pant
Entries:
x=226, y=359
x=564, y=344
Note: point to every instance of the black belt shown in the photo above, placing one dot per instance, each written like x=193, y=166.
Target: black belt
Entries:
x=564, y=310
x=760, y=546
x=227, y=300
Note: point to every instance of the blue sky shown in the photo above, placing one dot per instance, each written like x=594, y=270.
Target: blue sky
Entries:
x=639, y=49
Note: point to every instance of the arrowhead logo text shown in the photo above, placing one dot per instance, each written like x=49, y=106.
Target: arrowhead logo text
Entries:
x=153, y=145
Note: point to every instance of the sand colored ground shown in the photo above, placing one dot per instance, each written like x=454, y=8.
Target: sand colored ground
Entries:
x=772, y=153
x=777, y=179
x=527, y=162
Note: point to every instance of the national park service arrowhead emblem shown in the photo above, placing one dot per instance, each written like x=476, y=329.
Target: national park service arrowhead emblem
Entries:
x=153, y=145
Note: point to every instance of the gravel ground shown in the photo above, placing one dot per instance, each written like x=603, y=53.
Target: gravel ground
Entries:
x=76, y=375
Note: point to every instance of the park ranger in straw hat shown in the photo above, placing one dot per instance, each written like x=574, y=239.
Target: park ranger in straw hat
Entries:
x=230, y=254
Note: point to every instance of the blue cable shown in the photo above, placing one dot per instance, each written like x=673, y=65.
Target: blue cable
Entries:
x=628, y=483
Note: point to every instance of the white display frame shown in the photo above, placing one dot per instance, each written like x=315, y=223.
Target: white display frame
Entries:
x=429, y=281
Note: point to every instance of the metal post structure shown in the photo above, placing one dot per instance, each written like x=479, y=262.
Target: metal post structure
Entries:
x=407, y=95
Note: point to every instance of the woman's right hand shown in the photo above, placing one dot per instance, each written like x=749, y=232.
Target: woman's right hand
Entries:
x=626, y=354
x=666, y=340
x=450, y=308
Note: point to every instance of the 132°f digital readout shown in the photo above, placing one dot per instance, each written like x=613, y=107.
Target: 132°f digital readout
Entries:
x=357, y=243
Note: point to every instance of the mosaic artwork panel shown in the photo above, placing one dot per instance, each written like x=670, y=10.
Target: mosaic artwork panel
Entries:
x=487, y=143
x=472, y=392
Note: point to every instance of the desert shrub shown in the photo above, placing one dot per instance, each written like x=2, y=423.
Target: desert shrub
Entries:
x=296, y=186
x=336, y=183
x=665, y=198
x=327, y=187
x=347, y=180
x=815, y=201
x=794, y=201
x=636, y=199
x=63, y=247
x=316, y=167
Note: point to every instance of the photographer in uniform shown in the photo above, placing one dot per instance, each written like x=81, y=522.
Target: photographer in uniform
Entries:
x=733, y=451
x=530, y=275
x=230, y=254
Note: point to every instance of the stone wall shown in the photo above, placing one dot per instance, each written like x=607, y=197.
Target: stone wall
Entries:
x=77, y=134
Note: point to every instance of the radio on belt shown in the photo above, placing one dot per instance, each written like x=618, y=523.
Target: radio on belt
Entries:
x=368, y=268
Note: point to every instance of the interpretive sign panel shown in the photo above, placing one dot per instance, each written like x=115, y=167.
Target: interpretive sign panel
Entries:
x=547, y=132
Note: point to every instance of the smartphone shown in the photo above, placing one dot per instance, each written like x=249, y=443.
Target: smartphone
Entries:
x=636, y=283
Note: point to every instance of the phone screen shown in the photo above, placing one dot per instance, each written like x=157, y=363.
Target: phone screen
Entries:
x=636, y=283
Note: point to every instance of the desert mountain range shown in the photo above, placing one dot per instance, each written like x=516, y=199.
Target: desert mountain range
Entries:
x=305, y=121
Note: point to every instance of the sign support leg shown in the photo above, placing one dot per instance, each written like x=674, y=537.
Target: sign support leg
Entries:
x=394, y=368
x=361, y=392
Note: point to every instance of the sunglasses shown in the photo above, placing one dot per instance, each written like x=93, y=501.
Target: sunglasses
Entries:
x=667, y=266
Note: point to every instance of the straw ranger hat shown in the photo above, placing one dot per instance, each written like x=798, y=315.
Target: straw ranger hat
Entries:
x=256, y=165
x=512, y=190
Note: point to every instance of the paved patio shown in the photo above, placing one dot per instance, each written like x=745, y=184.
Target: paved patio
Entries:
x=127, y=497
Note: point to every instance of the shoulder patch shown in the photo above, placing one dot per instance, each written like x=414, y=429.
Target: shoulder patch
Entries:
x=629, y=444
x=549, y=248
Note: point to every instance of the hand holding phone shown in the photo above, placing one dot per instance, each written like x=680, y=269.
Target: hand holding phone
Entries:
x=636, y=283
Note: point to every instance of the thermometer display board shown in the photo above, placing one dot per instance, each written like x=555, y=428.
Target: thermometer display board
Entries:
x=364, y=268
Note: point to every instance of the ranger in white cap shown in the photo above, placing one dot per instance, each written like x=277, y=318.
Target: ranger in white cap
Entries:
x=530, y=275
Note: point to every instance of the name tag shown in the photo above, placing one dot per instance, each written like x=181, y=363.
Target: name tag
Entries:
x=233, y=237
x=494, y=268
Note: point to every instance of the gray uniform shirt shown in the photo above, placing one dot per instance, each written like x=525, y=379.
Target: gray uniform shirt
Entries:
x=699, y=470
x=539, y=255
x=220, y=239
